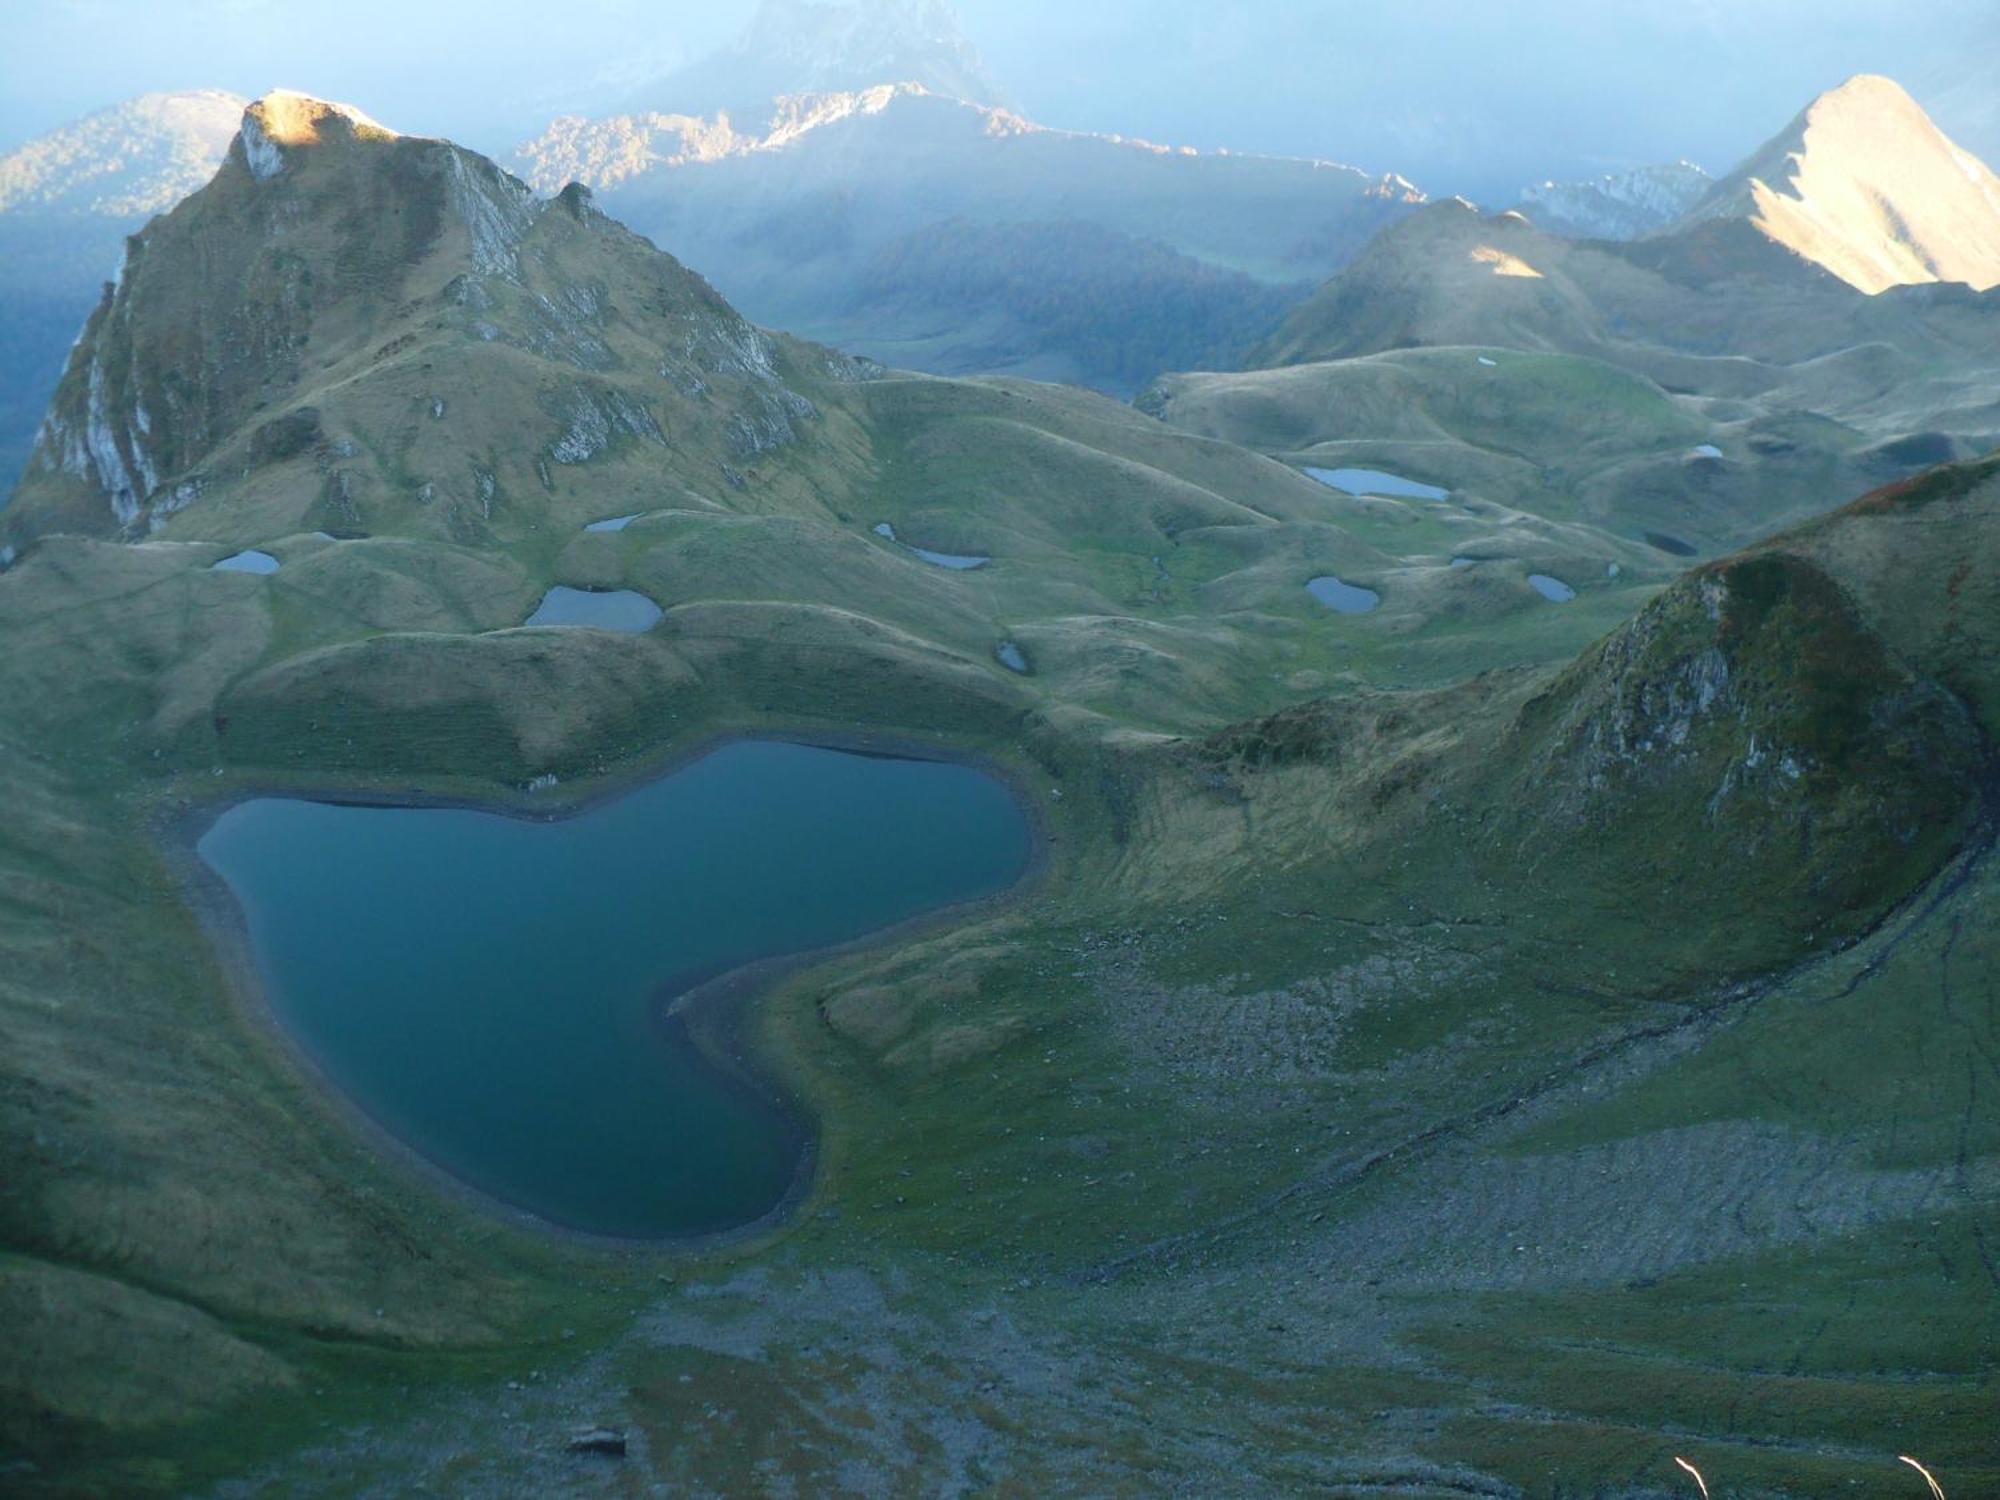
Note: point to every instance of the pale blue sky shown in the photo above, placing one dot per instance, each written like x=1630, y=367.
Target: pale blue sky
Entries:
x=1473, y=96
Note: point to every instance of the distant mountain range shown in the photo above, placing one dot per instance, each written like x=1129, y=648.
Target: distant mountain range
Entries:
x=823, y=219
x=125, y=163
x=1620, y=205
x=796, y=47
x=851, y=171
x=844, y=171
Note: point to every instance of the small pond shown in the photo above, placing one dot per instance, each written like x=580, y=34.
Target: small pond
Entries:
x=1347, y=598
x=957, y=562
x=620, y=610
x=1552, y=589
x=615, y=524
x=1012, y=657
x=493, y=991
x=1375, y=482
x=952, y=560
x=248, y=562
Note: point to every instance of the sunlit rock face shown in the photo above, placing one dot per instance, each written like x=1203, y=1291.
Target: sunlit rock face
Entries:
x=1866, y=186
x=218, y=302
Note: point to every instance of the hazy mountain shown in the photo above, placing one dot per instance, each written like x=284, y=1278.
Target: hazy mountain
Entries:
x=1619, y=206
x=67, y=201
x=819, y=218
x=1865, y=185
x=797, y=47
x=126, y=163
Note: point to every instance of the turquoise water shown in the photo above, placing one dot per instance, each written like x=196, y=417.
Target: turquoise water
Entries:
x=1376, y=482
x=1348, y=598
x=951, y=560
x=247, y=562
x=1552, y=589
x=491, y=990
x=620, y=610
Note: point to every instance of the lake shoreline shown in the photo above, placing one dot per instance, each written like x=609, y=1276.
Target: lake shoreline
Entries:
x=716, y=1011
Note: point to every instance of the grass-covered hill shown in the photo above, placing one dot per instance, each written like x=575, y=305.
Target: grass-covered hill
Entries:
x=1469, y=1049
x=415, y=349
x=1701, y=388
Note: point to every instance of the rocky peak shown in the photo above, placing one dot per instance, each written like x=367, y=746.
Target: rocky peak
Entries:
x=350, y=327
x=1863, y=184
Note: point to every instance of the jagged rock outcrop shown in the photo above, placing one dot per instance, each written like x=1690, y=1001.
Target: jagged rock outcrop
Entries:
x=1766, y=738
x=68, y=199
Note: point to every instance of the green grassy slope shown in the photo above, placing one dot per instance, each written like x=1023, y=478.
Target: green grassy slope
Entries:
x=1442, y=1054
x=1152, y=1122
x=1705, y=393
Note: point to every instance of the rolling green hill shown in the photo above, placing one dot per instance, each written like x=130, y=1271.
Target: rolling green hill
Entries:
x=1477, y=1047
x=1702, y=388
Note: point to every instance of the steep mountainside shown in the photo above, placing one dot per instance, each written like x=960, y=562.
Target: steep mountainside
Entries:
x=798, y=216
x=67, y=201
x=1619, y=206
x=269, y=342
x=1866, y=186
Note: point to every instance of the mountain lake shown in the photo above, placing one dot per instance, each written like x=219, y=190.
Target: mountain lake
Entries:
x=496, y=992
